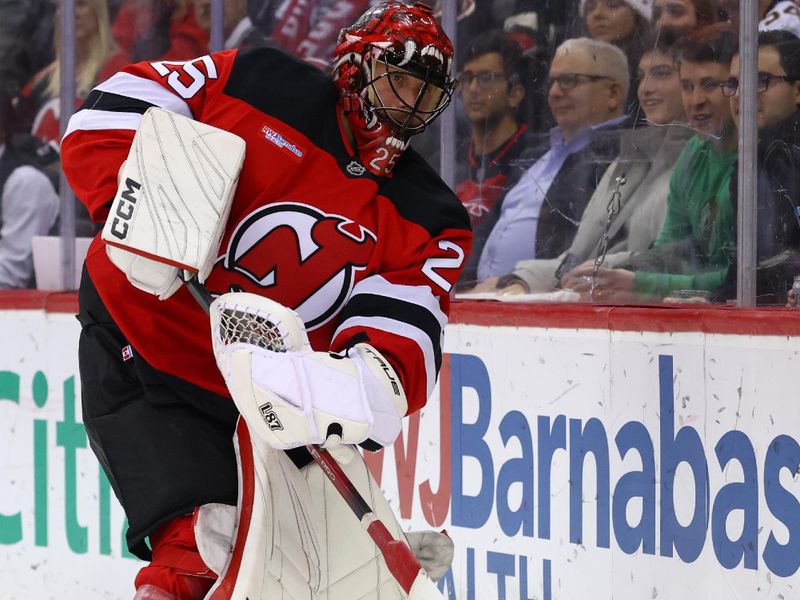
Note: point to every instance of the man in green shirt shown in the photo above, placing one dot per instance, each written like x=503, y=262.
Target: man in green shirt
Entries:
x=694, y=249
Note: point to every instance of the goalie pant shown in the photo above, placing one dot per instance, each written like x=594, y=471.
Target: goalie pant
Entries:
x=359, y=258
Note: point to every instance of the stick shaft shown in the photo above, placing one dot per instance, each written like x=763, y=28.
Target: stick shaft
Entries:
x=401, y=562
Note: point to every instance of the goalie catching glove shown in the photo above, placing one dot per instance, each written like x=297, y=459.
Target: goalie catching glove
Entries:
x=290, y=395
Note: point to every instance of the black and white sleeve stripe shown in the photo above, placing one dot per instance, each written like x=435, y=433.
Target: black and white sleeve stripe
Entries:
x=120, y=102
x=412, y=312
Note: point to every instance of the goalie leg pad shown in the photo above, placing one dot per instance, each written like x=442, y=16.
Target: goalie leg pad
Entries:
x=296, y=538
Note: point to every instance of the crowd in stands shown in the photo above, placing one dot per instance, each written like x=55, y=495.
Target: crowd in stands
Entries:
x=596, y=140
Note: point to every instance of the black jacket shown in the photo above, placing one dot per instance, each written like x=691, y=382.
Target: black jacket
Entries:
x=778, y=214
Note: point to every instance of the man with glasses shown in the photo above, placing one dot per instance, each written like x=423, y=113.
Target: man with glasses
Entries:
x=587, y=87
x=778, y=206
x=627, y=210
x=492, y=88
x=695, y=246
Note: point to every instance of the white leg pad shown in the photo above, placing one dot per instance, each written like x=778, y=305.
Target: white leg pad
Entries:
x=296, y=539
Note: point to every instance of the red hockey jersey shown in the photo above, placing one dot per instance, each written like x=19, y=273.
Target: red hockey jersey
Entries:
x=359, y=258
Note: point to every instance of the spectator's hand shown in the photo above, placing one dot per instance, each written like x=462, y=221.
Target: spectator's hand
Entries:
x=791, y=299
x=513, y=290
x=611, y=285
x=566, y=278
x=487, y=285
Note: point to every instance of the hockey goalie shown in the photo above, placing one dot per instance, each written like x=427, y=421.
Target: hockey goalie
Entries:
x=329, y=248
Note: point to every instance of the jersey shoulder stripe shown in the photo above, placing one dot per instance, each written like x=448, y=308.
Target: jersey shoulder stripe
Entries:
x=421, y=197
x=148, y=91
x=421, y=295
x=108, y=101
x=295, y=93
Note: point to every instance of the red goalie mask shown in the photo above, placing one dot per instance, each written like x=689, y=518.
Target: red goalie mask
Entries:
x=392, y=69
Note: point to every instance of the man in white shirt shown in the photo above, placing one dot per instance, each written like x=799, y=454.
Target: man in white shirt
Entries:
x=28, y=206
x=587, y=87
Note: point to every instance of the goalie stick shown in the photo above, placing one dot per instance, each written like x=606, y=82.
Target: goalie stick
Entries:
x=400, y=560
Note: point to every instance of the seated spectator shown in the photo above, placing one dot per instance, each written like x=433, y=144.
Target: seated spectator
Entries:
x=685, y=16
x=26, y=28
x=492, y=85
x=778, y=207
x=308, y=29
x=538, y=216
x=29, y=206
x=772, y=15
x=779, y=15
x=172, y=29
x=187, y=39
x=624, y=23
x=96, y=59
x=694, y=249
x=617, y=22
x=237, y=27
x=646, y=162
x=141, y=28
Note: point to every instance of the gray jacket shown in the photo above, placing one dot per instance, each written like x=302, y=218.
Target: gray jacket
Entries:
x=647, y=159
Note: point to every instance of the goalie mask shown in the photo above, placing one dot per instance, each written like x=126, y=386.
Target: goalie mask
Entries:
x=392, y=69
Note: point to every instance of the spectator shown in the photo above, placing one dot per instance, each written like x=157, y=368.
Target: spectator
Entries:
x=618, y=22
x=694, y=249
x=538, y=217
x=309, y=29
x=141, y=28
x=28, y=206
x=779, y=15
x=647, y=160
x=26, y=28
x=96, y=59
x=187, y=39
x=477, y=16
x=772, y=15
x=170, y=29
x=623, y=23
x=778, y=210
x=685, y=16
x=493, y=85
x=237, y=28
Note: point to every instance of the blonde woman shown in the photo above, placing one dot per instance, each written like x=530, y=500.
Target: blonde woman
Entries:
x=96, y=59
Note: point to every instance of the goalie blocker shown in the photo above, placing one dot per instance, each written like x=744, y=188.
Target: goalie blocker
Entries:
x=175, y=192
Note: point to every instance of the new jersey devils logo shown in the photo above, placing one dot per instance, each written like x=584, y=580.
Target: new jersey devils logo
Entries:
x=296, y=255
